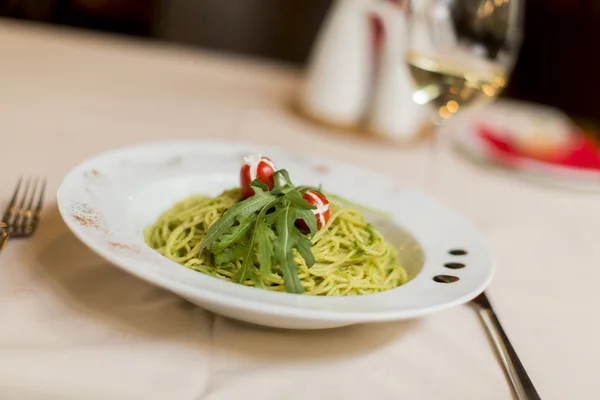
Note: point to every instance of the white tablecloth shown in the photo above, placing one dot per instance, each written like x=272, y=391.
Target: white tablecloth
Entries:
x=74, y=327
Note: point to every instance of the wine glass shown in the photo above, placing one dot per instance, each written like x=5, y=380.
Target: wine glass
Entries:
x=460, y=53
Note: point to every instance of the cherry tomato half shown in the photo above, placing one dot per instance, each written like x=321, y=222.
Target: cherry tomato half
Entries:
x=321, y=212
x=255, y=166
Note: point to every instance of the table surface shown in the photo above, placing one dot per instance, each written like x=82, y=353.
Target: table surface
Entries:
x=74, y=327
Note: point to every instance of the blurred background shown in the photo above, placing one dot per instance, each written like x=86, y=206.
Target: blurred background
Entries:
x=558, y=63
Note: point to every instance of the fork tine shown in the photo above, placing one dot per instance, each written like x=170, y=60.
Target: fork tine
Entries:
x=38, y=208
x=29, y=209
x=32, y=216
x=28, y=212
x=24, y=197
x=8, y=213
x=20, y=214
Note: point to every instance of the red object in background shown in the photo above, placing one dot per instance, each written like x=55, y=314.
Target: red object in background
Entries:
x=378, y=32
x=581, y=152
x=502, y=150
x=378, y=36
x=584, y=154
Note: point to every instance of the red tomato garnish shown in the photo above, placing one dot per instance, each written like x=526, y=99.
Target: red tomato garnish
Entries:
x=321, y=212
x=255, y=166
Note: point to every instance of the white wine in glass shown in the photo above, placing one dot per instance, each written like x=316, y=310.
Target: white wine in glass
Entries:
x=450, y=85
x=460, y=53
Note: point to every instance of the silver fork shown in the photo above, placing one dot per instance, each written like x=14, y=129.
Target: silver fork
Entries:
x=22, y=216
x=522, y=386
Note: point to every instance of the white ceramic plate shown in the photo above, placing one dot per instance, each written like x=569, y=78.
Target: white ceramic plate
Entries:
x=109, y=200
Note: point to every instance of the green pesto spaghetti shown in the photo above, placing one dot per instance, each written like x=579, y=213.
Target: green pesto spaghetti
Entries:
x=350, y=256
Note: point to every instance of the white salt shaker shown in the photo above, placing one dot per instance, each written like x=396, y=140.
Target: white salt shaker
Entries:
x=342, y=89
x=337, y=84
x=393, y=113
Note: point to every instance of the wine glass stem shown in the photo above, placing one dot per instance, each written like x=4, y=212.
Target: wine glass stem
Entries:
x=433, y=173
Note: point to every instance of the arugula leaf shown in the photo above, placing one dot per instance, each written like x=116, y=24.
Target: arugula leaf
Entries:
x=289, y=237
x=234, y=234
x=258, y=282
x=283, y=252
x=229, y=255
x=309, y=218
x=262, y=229
x=265, y=248
x=281, y=179
x=248, y=259
x=271, y=217
x=304, y=247
x=245, y=207
x=297, y=200
x=258, y=185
